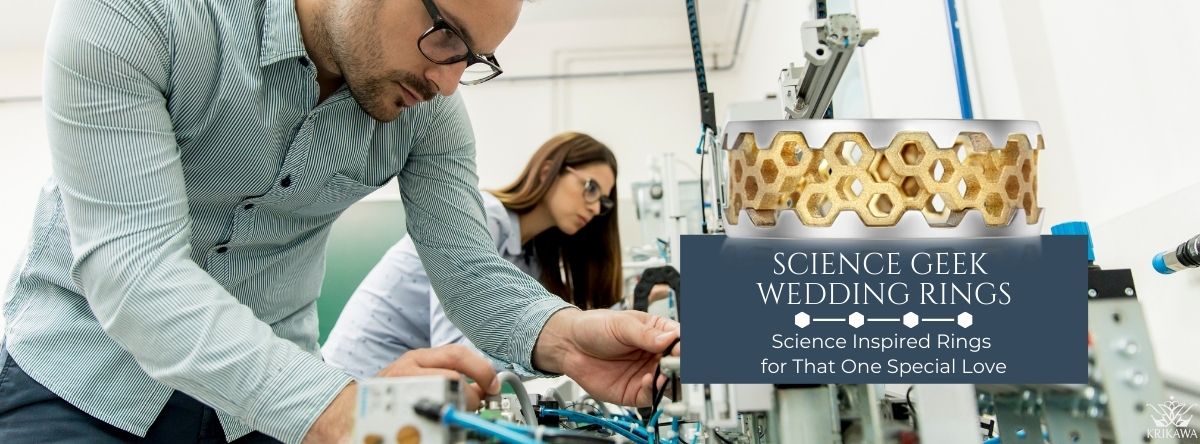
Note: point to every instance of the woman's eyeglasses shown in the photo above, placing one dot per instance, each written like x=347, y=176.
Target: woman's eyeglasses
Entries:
x=592, y=193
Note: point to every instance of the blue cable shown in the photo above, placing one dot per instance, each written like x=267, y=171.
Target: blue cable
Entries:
x=653, y=424
x=675, y=429
x=960, y=69
x=634, y=426
x=995, y=440
x=590, y=419
x=454, y=418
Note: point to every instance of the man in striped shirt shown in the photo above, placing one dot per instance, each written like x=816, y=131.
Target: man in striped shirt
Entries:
x=201, y=151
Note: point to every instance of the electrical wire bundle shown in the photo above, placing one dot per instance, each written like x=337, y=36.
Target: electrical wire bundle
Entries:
x=503, y=431
x=620, y=422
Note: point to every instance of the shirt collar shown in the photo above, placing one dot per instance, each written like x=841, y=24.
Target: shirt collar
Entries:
x=512, y=245
x=281, y=38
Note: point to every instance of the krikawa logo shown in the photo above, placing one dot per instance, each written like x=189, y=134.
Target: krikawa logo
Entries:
x=1171, y=420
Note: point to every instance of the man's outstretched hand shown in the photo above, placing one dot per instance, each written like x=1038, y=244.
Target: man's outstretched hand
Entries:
x=451, y=361
x=610, y=354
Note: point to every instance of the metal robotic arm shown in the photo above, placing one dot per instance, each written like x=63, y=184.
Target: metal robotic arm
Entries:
x=805, y=92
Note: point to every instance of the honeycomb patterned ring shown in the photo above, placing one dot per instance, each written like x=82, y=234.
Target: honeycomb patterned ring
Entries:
x=882, y=178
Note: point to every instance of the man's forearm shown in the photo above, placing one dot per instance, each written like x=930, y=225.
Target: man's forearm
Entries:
x=336, y=421
x=554, y=342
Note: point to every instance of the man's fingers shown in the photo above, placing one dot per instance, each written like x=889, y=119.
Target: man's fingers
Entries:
x=412, y=370
x=439, y=362
x=640, y=330
x=662, y=323
x=644, y=395
x=459, y=358
x=474, y=395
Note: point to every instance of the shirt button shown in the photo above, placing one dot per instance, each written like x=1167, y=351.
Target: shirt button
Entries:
x=286, y=182
x=248, y=206
x=303, y=61
x=222, y=249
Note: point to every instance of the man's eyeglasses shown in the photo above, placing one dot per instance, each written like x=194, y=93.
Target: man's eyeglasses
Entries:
x=444, y=45
x=592, y=193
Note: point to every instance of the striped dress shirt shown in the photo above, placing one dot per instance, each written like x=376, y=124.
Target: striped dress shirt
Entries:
x=180, y=243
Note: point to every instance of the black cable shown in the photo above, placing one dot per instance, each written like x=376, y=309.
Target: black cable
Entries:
x=708, y=115
x=658, y=395
x=697, y=52
x=722, y=438
x=911, y=411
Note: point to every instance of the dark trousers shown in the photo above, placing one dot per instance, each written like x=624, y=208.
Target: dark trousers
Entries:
x=31, y=413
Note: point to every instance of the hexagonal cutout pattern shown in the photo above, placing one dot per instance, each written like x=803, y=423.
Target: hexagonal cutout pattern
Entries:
x=848, y=188
x=941, y=171
x=912, y=153
x=790, y=154
x=1012, y=187
x=971, y=189
x=751, y=188
x=820, y=205
x=911, y=173
x=850, y=152
x=937, y=204
x=993, y=205
x=881, y=205
x=882, y=170
x=769, y=171
x=911, y=187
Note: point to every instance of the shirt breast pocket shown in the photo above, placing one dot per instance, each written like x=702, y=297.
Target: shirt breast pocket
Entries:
x=339, y=193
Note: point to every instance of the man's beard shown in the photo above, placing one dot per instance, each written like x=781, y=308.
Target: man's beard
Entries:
x=354, y=49
x=372, y=91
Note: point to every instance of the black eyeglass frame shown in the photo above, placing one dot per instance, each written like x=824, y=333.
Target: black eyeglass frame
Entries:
x=471, y=57
x=606, y=203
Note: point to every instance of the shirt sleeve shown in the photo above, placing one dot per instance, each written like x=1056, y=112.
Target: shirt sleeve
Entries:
x=499, y=308
x=441, y=330
x=118, y=169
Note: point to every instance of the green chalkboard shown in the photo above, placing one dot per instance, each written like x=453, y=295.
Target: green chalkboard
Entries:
x=357, y=241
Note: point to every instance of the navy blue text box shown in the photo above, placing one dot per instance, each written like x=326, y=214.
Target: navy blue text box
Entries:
x=884, y=311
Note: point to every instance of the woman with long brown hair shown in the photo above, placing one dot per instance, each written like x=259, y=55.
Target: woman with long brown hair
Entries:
x=556, y=222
